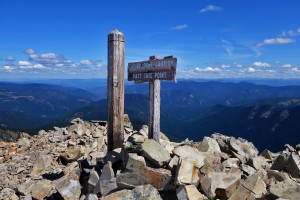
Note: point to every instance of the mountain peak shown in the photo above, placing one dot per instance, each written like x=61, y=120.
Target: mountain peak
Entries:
x=73, y=163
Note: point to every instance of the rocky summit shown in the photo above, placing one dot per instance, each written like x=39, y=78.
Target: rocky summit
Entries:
x=73, y=163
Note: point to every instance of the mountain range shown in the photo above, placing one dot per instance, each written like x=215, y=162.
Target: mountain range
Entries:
x=189, y=109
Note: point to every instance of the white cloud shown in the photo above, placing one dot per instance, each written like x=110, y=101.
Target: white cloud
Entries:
x=207, y=69
x=211, y=8
x=287, y=66
x=8, y=68
x=68, y=61
x=272, y=41
x=179, y=27
x=47, y=59
x=271, y=71
x=295, y=69
x=10, y=58
x=251, y=69
x=30, y=51
x=260, y=64
x=24, y=63
x=224, y=66
x=36, y=66
x=238, y=64
x=86, y=62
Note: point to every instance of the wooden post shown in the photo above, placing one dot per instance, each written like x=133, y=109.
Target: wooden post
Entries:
x=154, y=108
x=115, y=90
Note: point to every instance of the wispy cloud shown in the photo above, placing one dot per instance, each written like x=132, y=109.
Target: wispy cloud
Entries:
x=10, y=58
x=210, y=8
x=228, y=47
x=208, y=69
x=290, y=33
x=179, y=27
x=279, y=40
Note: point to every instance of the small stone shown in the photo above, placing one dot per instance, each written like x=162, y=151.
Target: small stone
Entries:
x=173, y=163
x=23, y=142
x=292, y=165
x=243, y=147
x=227, y=192
x=41, y=164
x=41, y=189
x=107, y=172
x=68, y=186
x=185, y=171
x=189, y=192
x=289, y=148
x=298, y=147
x=279, y=163
x=212, y=164
x=209, y=145
x=137, y=138
x=72, y=154
x=231, y=162
x=145, y=192
x=93, y=180
x=258, y=162
x=8, y=193
x=106, y=186
x=256, y=185
x=107, y=181
x=267, y=154
x=222, y=180
x=135, y=162
x=119, y=195
x=113, y=156
x=155, y=153
x=26, y=187
x=91, y=197
x=278, y=176
x=247, y=169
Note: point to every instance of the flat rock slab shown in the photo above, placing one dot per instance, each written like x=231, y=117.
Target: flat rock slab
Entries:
x=158, y=178
x=286, y=189
x=155, y=153
x=143, y=192
x=41, y=189
x=190, y=152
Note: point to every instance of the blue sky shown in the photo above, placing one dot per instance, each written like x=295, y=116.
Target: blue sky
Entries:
x=210, y=38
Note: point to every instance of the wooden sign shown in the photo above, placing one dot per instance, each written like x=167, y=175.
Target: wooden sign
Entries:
x=153, y=69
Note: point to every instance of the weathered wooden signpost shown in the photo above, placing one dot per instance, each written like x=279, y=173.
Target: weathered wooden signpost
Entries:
x=153, y=71
x=115, y=90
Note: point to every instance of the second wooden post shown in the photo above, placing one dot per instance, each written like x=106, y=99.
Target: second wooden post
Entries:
x=154, y=107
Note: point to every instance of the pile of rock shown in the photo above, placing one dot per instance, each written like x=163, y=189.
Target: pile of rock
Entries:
x=73, y=163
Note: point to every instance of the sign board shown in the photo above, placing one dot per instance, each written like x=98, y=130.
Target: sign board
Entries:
x=156, y=69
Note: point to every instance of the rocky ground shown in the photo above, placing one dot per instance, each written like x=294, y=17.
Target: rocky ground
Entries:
x=73, y=163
